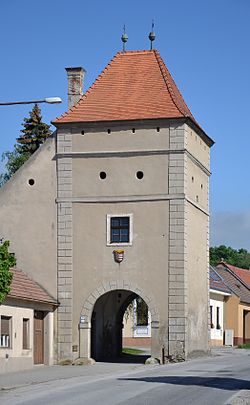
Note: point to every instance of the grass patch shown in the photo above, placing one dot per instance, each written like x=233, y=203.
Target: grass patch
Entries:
x=244, y=346
x=128, y=350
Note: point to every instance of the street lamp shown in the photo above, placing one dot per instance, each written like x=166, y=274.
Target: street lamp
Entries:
x=49, y=100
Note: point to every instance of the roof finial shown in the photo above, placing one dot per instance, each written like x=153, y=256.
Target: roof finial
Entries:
x=152, y=36
x=124, y=38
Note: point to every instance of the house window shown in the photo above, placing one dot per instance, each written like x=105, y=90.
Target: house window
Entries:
x=5, y=329
x=218, y=318
x=119, y=229
x=26, y=333
x=211, y=317
x=141, y=312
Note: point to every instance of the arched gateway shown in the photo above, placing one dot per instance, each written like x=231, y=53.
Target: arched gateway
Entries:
x=102, y=316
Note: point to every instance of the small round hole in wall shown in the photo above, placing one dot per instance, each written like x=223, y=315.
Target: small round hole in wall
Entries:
x=201, y=186
x=31, y=182
x=192, y=179
x=103, y=175
x=197, y=198
x=82, y=132
x=139, y=175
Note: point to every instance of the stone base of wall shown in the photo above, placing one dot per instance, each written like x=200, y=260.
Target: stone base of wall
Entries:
x=136, y=342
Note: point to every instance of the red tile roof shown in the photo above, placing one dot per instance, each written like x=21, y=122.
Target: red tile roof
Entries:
x=243, y=274
x=134, y=85
x=23, y=287
x=234, y=283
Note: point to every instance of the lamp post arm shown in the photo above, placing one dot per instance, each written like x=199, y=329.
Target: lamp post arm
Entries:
x=23, y=102
x=49, y=100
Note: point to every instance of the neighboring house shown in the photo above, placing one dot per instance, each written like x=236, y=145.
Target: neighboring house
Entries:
x=219, y=295
x=137, y=325
x=113, y=207
x=26, y=325
x=237, y=308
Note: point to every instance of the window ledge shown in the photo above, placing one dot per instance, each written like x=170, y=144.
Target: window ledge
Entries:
x=119, y=244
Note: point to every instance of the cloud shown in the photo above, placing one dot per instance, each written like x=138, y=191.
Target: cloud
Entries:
x=230, y=229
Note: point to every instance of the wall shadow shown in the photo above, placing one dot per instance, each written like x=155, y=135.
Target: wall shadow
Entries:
x=126, y=358
x=223, y=383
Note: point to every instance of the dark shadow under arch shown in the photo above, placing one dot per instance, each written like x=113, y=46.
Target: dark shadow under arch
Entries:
x=107, y=324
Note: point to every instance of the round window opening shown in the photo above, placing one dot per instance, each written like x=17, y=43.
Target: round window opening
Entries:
x=103, y=175
x=139, y=175
x=31, y=182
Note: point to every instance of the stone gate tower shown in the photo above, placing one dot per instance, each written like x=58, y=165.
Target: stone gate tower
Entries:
x=132, y=179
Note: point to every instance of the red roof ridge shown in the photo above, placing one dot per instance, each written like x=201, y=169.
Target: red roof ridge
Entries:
x=231, y=266
x=236, y=271
x=133, y=52
x=166, y=75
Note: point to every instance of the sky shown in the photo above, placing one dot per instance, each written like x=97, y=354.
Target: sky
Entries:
x=205, y=45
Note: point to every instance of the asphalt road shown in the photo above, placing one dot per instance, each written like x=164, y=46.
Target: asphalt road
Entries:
x=223, y=378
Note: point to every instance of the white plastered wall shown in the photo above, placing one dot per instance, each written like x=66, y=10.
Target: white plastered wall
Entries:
x=14, y=358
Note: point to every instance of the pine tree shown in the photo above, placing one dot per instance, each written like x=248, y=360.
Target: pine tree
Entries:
x=34, y=133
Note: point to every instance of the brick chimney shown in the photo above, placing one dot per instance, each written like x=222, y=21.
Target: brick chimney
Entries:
x=75, y=84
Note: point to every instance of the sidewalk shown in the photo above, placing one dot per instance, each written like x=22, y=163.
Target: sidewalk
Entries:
x=42, y=374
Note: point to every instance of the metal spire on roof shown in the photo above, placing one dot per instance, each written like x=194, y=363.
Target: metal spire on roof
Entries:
x=124, y=38
x=152, y=36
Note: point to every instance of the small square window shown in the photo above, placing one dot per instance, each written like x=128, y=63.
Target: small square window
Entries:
x=119, y=229
x=5, y=330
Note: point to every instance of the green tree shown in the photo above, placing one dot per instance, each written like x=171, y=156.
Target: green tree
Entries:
x=33, y=134
x=239, y=258
x=7, y=260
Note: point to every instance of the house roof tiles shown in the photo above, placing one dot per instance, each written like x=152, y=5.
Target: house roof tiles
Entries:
x=243, y=274
x=134, y=85
x=216, y=282
x=23, y=287
x=234, y=283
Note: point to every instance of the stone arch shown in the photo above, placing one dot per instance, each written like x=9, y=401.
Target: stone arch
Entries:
x=89, y=303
